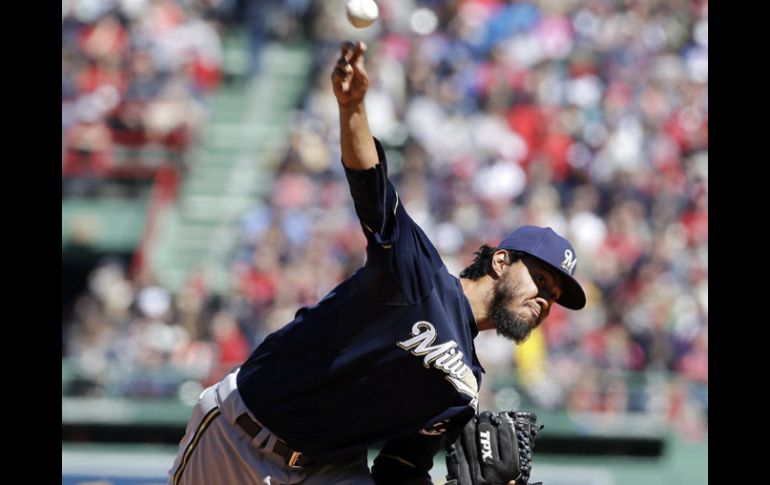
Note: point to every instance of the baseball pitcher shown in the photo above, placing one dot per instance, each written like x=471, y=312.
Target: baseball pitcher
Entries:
x=387, y=356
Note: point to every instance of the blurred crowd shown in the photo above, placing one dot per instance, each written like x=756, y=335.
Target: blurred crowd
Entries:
x=136, y=75
x=587, y=116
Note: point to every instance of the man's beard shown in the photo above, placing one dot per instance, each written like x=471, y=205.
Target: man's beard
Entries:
x=507, y=324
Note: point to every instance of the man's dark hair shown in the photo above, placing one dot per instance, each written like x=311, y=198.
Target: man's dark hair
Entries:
x=482, y=263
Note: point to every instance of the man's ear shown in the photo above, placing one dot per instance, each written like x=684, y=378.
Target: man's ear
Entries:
x=500, y=260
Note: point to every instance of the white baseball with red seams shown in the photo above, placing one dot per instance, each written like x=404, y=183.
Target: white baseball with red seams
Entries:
x=361, y=13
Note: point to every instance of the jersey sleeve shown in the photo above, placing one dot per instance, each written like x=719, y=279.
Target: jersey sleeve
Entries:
x=401, y=260
x=406, y=459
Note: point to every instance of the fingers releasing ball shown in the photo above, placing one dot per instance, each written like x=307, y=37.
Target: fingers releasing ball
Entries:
x=361, y=13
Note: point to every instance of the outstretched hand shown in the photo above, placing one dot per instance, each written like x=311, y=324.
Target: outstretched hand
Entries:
x=349, y=78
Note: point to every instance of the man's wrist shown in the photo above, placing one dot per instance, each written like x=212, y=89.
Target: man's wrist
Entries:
x=352, y=106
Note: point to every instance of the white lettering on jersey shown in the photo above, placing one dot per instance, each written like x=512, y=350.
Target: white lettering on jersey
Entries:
x=444, y=357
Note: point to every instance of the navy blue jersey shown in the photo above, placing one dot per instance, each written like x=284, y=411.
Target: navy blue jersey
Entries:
x=387, y=353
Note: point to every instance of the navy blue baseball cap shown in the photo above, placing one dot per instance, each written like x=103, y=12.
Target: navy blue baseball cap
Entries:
x=544, y=244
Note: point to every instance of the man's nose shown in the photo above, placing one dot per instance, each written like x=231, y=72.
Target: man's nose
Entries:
x=545, y=304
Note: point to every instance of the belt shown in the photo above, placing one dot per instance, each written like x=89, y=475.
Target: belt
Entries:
x=294, y=459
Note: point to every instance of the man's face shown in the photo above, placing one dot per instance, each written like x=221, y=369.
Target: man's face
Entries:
x=522, y=297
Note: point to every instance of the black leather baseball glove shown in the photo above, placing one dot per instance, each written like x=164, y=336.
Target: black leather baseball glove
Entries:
x=493, y=449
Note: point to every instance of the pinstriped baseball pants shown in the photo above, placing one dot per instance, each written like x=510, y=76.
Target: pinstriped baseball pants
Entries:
x=216, y=451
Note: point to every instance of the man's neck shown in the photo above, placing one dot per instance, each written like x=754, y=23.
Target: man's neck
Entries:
x=479, y=293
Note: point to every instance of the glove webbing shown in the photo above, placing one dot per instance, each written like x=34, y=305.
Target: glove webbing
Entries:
x=526, y=434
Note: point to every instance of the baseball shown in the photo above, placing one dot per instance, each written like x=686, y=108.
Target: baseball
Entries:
x=361, y=13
